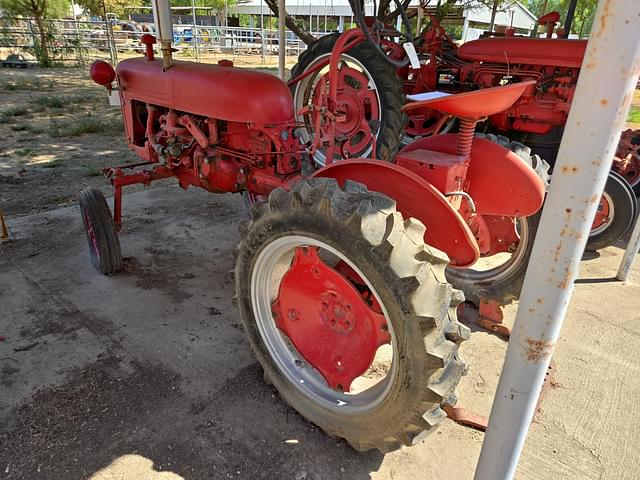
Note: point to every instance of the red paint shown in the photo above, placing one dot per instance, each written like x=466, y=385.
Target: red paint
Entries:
x=226, y=93
x=602, y=213
x=520, y=50
x=148, y=41
x=414, y=197
x=554, y=64
x=520, y=192
x=328, y=320
x=102, y=73
x=476, y=104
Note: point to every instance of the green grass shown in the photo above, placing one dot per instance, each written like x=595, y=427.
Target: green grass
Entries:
x=82, y=125
x=8, y=114
x=634, y=115
x=56, y=162
x=25, y=152
x=67, y=103
x=94, y=172
x=27, y=83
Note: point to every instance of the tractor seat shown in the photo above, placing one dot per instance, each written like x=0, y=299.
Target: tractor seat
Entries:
x=516, y=50
x=476, y=104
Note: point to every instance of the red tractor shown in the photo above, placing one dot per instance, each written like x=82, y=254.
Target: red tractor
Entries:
x=340, y=275
x=531, y=127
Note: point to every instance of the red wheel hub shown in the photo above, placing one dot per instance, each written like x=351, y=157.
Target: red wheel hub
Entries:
x=602, y=214
x=328, y=320
x=356, y=112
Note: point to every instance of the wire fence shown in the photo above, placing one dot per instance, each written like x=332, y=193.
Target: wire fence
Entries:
x=79, y=42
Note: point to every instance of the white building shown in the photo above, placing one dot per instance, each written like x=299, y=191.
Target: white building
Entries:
x=474, y=19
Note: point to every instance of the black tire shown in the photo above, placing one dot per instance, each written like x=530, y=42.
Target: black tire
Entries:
x=504, y=283
x=624, y=204
x=104, y=246
x=387, y=82
x=408, y=277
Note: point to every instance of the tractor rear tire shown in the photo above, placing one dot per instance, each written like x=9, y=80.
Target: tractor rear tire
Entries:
x=387, y=83
x=104, y=246
x=504, y=282
x=623, y=208
x=405, y=276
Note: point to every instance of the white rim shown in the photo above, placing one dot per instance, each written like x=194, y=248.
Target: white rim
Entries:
x=305, y=88
x=269, y=267
x=503, y=269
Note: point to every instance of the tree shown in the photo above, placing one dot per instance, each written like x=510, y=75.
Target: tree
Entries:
x=583, y=17
x=39, y=10
x=98, y=7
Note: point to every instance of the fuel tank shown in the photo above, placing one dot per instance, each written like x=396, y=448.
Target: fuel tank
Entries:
x=222, y=92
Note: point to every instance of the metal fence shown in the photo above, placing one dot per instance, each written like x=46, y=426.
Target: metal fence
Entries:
x=77, y=42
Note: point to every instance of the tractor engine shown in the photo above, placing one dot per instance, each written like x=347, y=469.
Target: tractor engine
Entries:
x=218, y=127
x=554, y=65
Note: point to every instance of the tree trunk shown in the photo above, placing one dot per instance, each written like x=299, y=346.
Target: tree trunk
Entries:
x=43, y=51
x=494, y=10
x=291, y=24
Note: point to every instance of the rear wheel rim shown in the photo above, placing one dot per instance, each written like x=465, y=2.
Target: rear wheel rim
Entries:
x=91, y=234
x=270, y=266
x=496, y=269
x=306, y=92
x=604, y=215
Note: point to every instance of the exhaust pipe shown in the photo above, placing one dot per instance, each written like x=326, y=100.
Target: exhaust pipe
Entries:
x=164, y=30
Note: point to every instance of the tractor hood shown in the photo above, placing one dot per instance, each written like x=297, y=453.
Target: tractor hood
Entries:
x=222, y=92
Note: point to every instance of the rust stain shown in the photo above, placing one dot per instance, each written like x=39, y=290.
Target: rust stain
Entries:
x=605, y=16
x=540, y=300
x=604, y=102
x=538, y=350
x=571, y=169
x=568, y=211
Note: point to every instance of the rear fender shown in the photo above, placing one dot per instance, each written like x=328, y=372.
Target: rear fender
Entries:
x=500, y=182
x=414, y=197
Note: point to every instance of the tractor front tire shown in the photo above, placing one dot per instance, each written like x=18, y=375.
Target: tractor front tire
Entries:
x=404, y=278
x=104, y=246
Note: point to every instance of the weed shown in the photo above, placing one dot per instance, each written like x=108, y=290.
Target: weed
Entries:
x=94, y=171
x=634, y=115
x=56, y=162
x=55, y=101
x=24, y=152
x=9, y=113
x=82, y=125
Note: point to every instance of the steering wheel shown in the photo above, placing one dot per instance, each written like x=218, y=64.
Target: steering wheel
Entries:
x=378, y=31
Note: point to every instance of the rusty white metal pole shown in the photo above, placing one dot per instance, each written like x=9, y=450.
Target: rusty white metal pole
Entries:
x=164, y=29
x=607, y=80
x=630, y=253
x=282, y=49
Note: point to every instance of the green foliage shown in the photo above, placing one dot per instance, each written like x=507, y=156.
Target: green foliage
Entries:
x=89, y=124
x=27, y=83
x=583, y=17
x=9, y=113
x=94, y=7
x=35, y=8
x=634, y=115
